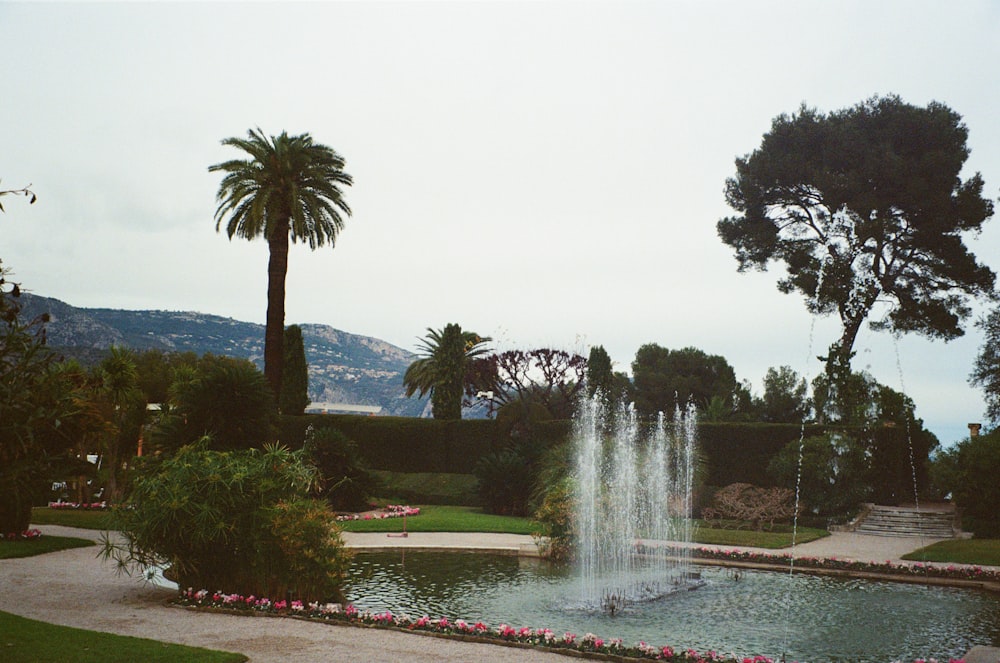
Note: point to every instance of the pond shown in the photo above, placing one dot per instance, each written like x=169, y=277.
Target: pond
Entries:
x=802, y=617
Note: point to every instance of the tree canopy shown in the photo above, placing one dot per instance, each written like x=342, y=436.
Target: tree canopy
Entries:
x=865, y=206
x=666, y=378
x=543, y=376
x=986, y=371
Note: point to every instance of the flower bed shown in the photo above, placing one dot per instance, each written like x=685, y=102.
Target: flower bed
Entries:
x=26, y=535
x=390, y=511
x=589, y=644
x=916, y=569
x=81, y=506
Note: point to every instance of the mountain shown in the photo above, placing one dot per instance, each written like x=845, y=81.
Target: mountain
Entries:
x=345, y=370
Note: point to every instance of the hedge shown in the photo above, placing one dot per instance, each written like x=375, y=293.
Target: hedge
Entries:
x=733, y=452
x=405, y=444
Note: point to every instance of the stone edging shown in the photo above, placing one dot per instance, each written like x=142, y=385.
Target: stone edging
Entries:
x=848, y=573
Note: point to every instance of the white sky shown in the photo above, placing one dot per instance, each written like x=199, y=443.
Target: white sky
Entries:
x=547, y=173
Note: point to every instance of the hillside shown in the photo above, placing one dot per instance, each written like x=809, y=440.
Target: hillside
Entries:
x=344, y=368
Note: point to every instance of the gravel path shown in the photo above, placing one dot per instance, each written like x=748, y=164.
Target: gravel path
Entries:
x=73, y=588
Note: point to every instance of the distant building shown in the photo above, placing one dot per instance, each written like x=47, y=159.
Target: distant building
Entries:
x=343, y=408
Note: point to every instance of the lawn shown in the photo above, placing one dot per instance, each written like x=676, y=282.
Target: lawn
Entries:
x=83, y=518
x=40, y=546
x=438, y=518
x=983, y=552
x=26, y=640
x=780, y=537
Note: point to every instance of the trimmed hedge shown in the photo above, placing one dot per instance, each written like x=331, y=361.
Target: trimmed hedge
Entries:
x=741, y=452
x=405, y=444
x=733, y=452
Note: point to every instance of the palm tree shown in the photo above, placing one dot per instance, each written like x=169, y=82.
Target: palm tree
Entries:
x=441, y=368
x=289, y=187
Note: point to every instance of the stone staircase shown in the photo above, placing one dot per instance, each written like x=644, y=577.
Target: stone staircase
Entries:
x=932, y=522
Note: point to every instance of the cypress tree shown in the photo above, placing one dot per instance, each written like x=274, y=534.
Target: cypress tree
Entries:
x=295, y=380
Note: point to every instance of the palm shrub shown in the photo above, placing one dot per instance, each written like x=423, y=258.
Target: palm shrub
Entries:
x=504, y=482
x=237, y=521
x=227, y=399
x=346, y=483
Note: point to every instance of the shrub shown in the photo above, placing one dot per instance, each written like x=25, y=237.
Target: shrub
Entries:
x=345, y=481
x=504, y=482
x=834, y=478
x=224, y=398
x=238, y=521
x=44, y=411
x=555, y=515
x=744, y=502
x=969, y=472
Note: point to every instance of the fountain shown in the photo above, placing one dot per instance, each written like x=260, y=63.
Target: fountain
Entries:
x=633, y=503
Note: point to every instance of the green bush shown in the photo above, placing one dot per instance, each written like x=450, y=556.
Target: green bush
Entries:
x=834, y=478
x=969, y=471
x=504, y=482
x=555, y=515
x=236, y=521
x=345, y=481
x=227, y=399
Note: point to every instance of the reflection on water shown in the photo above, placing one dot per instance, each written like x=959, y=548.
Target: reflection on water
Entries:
x=831, y=619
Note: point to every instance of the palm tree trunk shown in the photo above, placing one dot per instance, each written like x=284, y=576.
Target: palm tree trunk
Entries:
x=274, y=331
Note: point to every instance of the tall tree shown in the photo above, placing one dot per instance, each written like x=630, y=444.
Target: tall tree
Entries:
x=294, y=396
x=44, y=410
x=546, y=377
x=665, y=378
x=986, y=371
x=785, y=399
x=289, y=187
x=600, y=375
x=114, y=384
x=442, y=366
x=864, y=205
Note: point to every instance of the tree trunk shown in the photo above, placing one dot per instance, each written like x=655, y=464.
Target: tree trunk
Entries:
x=274, y=332
x=838, y=366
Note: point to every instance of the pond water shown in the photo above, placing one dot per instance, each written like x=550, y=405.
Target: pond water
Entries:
x=802, y=617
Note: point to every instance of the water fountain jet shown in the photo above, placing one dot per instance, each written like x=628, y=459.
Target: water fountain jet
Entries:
x=634, y=505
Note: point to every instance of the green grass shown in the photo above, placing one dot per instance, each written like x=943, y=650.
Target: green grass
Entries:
x=780, y=537
x=438, y=518
x=984, y=552
x=43, y=515
x=40, y=546
x=441, y=518
x=25, y=640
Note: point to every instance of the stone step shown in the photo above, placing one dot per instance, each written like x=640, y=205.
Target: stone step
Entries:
x=903, y=521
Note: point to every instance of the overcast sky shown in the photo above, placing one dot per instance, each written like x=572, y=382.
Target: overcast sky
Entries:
x=546, y=173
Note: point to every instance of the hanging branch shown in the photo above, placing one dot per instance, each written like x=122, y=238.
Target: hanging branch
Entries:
x=26, y=191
